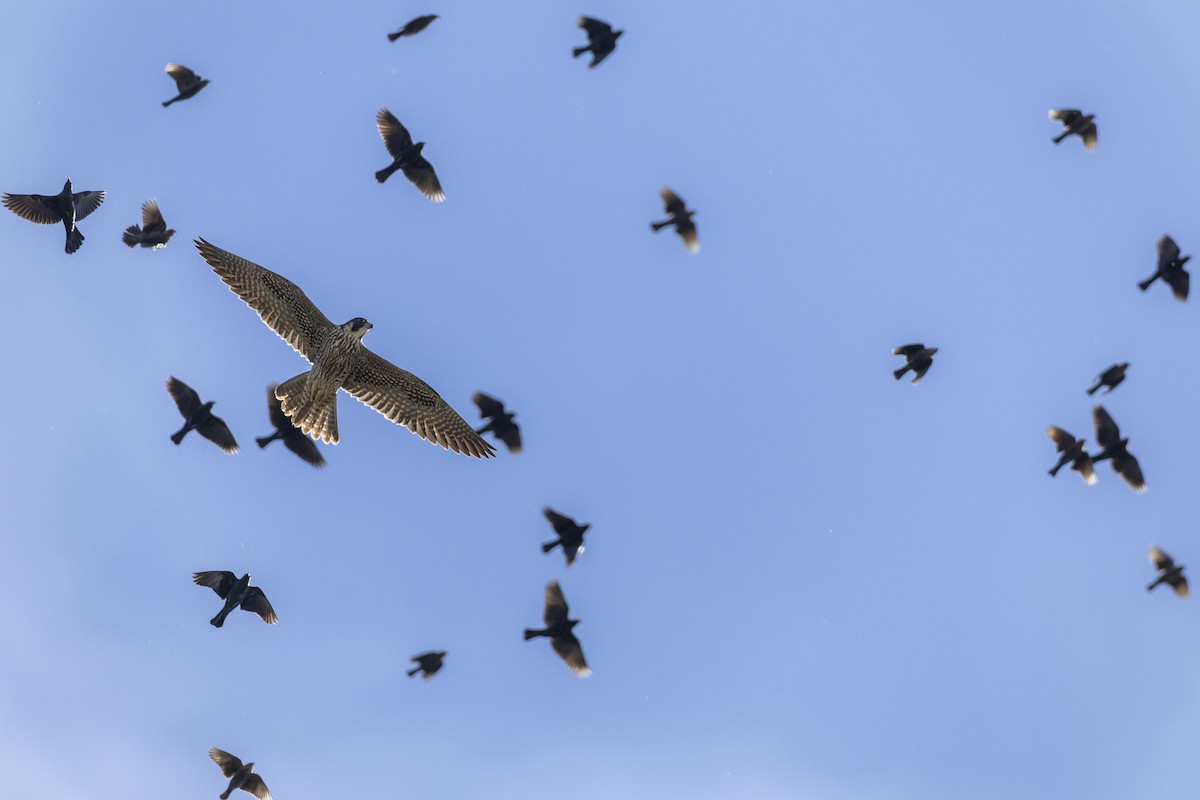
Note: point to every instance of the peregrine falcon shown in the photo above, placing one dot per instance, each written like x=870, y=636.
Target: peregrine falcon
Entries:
x=602, y=39
x=187, y=82
x=406, y=156
x=680, y=217
x=241, y=776
x=1075, y=122
x=153, y=232
x=235, y=592
x=413, y=26
x=558, y=630
x=66, y=207
x=339, y=360
x=427, y=664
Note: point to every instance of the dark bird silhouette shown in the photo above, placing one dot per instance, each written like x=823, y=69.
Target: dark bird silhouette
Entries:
x=153, y=232
x=558, y=629
x=570, y=534
x=339, y=360
x=681, y=218
x=293, y=438
x=235, y=592
x=500, y=422
x=413, y=26
x=1169, y=573
x=407, y=157
x=602, y=39
x=428, y=664
x=1072, y=452
x=1170, y=269
x=1111, y=378
x=65, y=207
x=918, y=358
x=187, y=82
x=1114, y=447
x=1075, y=122
x=241, y=776
x=199, y=417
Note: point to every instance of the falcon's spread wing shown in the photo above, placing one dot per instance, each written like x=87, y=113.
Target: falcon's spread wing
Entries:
x=570, y=651
x=228, y=762
x=183, y=76
x=257, y=602
x=255, y=786
x=86, y=203
x=396, y=137
x=556, y=605
x=216, y=431
x=34, y=207
x=152, y=218
x=279, y=302
x=1107, y=432
x=185, y=396
x=407, y=400
x=219, y=581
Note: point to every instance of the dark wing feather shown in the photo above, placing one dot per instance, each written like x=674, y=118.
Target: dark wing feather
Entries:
x=86, y=203
x=280, y=303
x=255, y=786
x=228, y=762
x=562, y=524
x=594, y=27
x=673, y=202
x=1168, y=251
x=488, y=406
x=216, y=431
x=220, y=581
x=407, y=400
x=186, y=399
x=1062, y=439
x=556, y=605
x=510, y=434
x=1066, y=115
x=34, y=207
x=183, y=76
x=1127, y=467
x=421, y=174
x=1160, y=560
x=152, y=218
x=396, y=137
x=1179, y=281
x=256, y=602
x=570, y=651
x=299, y=443
x=908, y=350
x=1107, y=432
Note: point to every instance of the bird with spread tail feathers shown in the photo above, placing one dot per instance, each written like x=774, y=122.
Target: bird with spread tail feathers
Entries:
x=153, y=232
x=339, y=361
x=241, y=776
x=66, y=207
x=558, y=630
x=187, y=83
x=406, y=156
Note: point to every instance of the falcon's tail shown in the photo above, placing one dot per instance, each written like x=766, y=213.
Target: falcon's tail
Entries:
x=315, y=416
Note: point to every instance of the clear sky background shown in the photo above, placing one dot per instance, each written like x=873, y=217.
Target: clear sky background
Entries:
x=803, y=579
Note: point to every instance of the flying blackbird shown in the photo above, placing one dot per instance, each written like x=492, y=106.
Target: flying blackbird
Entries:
x=918, y=358
x=1075, y=122
x=500, y=422
x=293, y=438
x=153, y=232
x=199, y=417
x=65, y=207
x=570, y=535
x=1113, y=447
x=1111, y=378
x=428, y=664
x=1170, y=269
x=1169, y=573
x=406, y=156
x=558, y=629
x=1073, y=453
x=602, y=39
x=413, y=26
x=241, y=776
x=235, y=592
x=681, y=218
x=339, y=360
x=187, y=82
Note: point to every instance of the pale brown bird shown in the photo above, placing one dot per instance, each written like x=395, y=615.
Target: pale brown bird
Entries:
x=241, y=776
x=680, y=217
x=1169, y=573
x=339, y=361
x=558, y=630
x=1076, y=123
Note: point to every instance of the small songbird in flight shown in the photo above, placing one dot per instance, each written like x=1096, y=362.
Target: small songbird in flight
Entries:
x=558, y=630
x=918, y=358
x=680, y=217
x=428, y=664
x=1075, y=122
x=406, y=156
x=1111, y=378
x=602, y=39
x=1073, y=453
x=1114, y=447
x=66, y=207
x=339, y=361
x=570, y=534
x=241, y=776
x=1170, y=269
x=235, y=592
x=500, y=422
x=187, y=82
x=293, y=438
x=153, y=232
x=199, y=417
x=413, y=26
x=1169, y=573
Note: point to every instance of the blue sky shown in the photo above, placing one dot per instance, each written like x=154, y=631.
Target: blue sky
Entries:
x=803, y=579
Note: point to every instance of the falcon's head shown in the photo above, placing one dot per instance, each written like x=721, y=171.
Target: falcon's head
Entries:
x=358, y=326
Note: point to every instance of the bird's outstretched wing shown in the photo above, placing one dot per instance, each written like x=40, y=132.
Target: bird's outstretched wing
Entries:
x=396, y=137
x=34, y=207
x=280, y=303
x=228, y=762
x=421, y=174
x=255, y=786
x=152, y=218
x=1107, y=432
x=183, y=76
x=559, y=521
x=220, y=581
x=1168, y=251
x=594, y=27
x=185, y=397
x=556, y=605
x=1179, y=281
x=570, y=651
x=86, y=203
x=1066, y=115
x=257, y=602
x=407, y=400
x=671, y=201
x=488, y=406
x=216, y=431
x=1128, y=468
x=908, y=350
